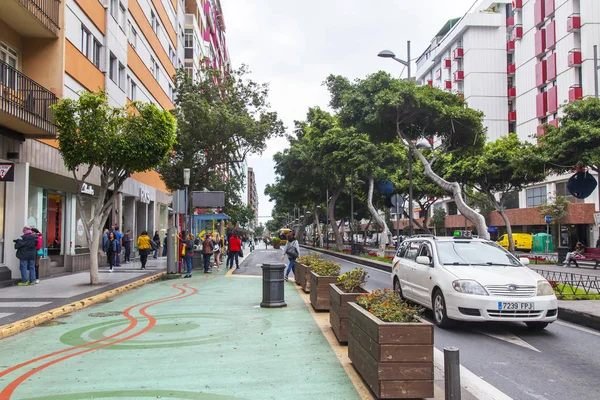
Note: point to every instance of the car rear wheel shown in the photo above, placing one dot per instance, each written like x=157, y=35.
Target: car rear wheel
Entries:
x=398, y=289
x=536, y=326
x=439, y=311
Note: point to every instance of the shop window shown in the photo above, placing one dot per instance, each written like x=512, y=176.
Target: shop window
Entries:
x=561, y=190
x=536, y=196
x=511, y=200
x=54, y=222
x=80, y=239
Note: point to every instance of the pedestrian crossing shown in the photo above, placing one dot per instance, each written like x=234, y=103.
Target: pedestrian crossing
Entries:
x=2, y=315
x=13, y=304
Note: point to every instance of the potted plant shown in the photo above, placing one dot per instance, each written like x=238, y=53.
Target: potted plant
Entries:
x=391, y=346
x=276, y=242
x=321, y=275
x=348, y=287
x=302, y=268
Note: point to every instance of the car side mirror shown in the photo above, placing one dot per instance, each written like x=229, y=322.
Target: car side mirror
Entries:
x=524, y=260
x=423, y=260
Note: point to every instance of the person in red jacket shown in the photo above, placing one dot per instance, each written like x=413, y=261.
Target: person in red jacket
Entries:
x=235, y=246
x=37, y=257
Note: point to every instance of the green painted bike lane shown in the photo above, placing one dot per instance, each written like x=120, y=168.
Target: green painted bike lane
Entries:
x=208, y=339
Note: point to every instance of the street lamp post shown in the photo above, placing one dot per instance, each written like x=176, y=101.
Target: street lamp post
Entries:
x=186, y=183
x=390, y=54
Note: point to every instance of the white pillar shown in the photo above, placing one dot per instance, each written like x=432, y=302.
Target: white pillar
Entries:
x=17, y=198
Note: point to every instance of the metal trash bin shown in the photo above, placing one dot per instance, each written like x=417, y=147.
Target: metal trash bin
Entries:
x=562, y=254
x=273, y=285
x=355, y=249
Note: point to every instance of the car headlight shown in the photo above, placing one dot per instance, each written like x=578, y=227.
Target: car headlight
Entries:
x=544, y=289
x=469, y=287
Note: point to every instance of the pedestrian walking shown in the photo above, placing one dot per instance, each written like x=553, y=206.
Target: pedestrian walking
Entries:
x=235, y=246
x=105, y=244
x=207, y=251
x=39, y=253
x=112, y=250
x=217, y=246
x=26, y=253
x=144, y=248
x=119, y=239
x=127, y=246
x=164, y=252
x=188, y=257
x=156, y=239
x=244, y=240
x=292, y=251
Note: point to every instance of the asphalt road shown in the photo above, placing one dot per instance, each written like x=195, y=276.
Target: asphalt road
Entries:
x=562, y=362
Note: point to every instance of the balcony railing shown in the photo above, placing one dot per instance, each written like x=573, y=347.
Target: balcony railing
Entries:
x=47, y=11
x=25, y=99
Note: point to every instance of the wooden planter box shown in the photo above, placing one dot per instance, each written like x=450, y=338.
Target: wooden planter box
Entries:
x=319, y=290
x=303, y=278
x=395, y=359
x=338, y=311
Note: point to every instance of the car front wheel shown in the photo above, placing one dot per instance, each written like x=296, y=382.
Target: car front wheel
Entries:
x=398, y=289
x=439, y=311
x=536, y=326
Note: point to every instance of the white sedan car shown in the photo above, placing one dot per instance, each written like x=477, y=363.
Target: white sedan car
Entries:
x=471, y=279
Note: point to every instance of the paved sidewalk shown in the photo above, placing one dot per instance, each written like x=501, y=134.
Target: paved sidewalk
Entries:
x=199, y=338
x=19, y=302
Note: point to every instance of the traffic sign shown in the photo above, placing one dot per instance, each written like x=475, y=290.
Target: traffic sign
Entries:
x=397, y=200
x=548, y=218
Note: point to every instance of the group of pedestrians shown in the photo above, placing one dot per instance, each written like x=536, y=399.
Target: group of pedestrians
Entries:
x=114, y=243
x=28, y=247
x=212, y=246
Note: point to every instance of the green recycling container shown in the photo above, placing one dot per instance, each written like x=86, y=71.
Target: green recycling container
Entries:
x=540, y=245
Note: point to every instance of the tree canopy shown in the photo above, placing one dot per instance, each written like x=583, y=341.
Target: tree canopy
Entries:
x=117, y=141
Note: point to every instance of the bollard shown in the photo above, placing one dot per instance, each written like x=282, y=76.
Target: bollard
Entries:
x=273, y=285
x=452, y=373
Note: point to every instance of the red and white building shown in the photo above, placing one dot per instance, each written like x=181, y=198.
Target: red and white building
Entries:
x=519, y=62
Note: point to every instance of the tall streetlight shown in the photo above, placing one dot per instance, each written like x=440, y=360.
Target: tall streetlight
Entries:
x=390, y=54
x=352, y=213
x=420, y=145
x=186, y=183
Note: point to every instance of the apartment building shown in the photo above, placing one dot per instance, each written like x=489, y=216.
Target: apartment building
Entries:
x=528, y=58
x=252, y=196
x=55, y=48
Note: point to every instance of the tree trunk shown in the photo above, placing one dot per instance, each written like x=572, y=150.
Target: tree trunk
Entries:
x=301, y=229
x=499, y=206
x=94, y=246
x=453, y=187
x=339, y=243
x=380, y=221
x=366, y=230
x=318, y=228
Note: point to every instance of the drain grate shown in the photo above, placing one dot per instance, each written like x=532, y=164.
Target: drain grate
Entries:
x=105, y=314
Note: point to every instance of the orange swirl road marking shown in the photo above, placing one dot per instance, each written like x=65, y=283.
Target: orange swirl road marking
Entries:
x=9, y=389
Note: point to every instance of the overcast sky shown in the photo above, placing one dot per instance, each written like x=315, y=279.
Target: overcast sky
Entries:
x=294, y=45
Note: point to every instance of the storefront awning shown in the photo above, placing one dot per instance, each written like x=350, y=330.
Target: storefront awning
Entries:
x=211, y=217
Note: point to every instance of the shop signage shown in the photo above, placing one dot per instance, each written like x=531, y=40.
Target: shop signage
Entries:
x=80, y=228
x=7, y=172
x=145, y=196
x=87, y=189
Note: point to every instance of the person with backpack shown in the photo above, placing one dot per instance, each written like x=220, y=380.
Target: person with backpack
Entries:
x=112, y=250
x=26, y=253
x=144, y=247
x=235, y=246
x=292, y=251
x=39, y=253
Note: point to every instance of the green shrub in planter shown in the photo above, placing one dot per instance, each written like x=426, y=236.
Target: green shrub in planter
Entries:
x=276, y=242
x=388, y=306
x=353, y=281
x=326, y=268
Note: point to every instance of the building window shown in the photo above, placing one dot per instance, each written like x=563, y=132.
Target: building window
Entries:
x=122, y=16
x=114, y=8
x=452, y=208
x=172, y=56
x=561, y=190
x=536, y=196
x=511, y=200
x=189, y=39
x=131, y=91
x=85, y=41
x=96, y=53
x=154, y=22
x=112, y=68
x=8, y=55
x=132, y=36
x=122, y=76
x=153, y=67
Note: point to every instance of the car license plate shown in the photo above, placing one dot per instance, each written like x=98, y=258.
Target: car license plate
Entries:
x=514, y=306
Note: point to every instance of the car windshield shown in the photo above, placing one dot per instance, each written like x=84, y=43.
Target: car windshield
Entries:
x=474, y=252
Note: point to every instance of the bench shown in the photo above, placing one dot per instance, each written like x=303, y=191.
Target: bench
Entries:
x=591, y=254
